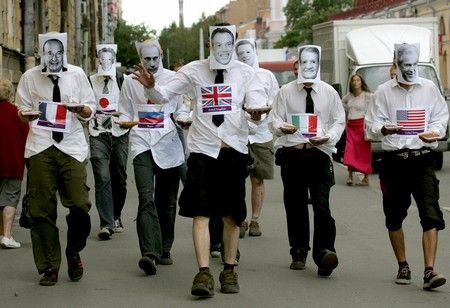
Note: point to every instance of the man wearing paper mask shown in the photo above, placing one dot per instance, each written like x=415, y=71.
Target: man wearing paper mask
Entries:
x=56, y=101
x=217, y=142
x=308, y=118
x=108, y=144
x=408, y=116
x=260, y=143
x=157, y=153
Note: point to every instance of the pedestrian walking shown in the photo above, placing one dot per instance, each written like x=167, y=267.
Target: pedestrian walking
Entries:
x=157, y=153
x=13, y=135
x=358, y=151
x=109, y=145
x=308, y=118
x=57, y=100
x=408, y=116
x=217, y=142
x=260, y=141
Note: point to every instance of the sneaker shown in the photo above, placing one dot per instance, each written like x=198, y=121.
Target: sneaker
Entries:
x=403, y=275
x=118, y=227
x=328, y=263
x=148, y=265
x=50, y=278
x=432, y=280
x=229, y=282
x=243, y=229
x=215, y=251
x=166, y=259
x=9, y=243
x=254, y=229
x=203, y=284
x=105, y=234
x=298, y=259
x=74, y=267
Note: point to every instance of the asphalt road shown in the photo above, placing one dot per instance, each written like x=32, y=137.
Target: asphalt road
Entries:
x=364, y=277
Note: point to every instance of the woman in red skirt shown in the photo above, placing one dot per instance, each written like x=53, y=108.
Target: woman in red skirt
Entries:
x=358, y=152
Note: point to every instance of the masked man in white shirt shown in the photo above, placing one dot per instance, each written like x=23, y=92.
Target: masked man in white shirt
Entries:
x=217, y=142
x=109, y=148
x=408, y=116
x=157, y=153
x=261, y=142
x=308, y=118
x=57, y=103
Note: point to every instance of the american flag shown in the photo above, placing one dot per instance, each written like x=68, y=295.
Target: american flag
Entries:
x=412, y=120
x=216, y=98
x=52, y=115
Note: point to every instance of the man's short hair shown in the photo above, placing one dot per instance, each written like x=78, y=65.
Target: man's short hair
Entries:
x=406, y=49
x=55, y=41
x=243, y=42
x=106, y=49
x=222, y=30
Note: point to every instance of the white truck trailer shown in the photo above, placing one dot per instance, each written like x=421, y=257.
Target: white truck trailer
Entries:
x=366, y=47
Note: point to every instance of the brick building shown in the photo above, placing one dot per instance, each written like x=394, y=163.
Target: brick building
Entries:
x=87, y=23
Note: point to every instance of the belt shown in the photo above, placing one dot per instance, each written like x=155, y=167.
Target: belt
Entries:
x=406, y=154
x=302, y=146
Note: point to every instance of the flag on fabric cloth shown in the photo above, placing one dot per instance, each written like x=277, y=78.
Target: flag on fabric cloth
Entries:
x=216, y=98
x=53, y=117
x=151, y=119
x=412, y=120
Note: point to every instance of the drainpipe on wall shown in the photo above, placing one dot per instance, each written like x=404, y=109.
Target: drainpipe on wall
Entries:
x=78, y=47
x=28, y=34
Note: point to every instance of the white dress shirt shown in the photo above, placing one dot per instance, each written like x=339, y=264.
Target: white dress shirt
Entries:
x=73, y=84
x=165, y=144
x=270, y=84
x=389, y=97
x=95, y=125
x=204, y=137
x=356, y=106
x=291, y=99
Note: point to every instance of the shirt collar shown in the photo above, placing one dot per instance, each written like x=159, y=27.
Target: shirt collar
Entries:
x=315, y=87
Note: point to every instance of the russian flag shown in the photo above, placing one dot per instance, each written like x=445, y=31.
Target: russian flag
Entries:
x=151, y=119
x=52, y=115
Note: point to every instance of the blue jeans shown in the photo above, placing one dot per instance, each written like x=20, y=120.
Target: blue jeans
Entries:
x=157, y=189
x=109, y=157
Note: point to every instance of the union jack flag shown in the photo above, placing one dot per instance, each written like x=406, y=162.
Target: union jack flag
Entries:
x=216, y=98
x=412, y=120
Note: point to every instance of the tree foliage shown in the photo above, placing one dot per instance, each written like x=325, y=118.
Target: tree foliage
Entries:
x=181, y=44
x=125, y=37
x=301, y=15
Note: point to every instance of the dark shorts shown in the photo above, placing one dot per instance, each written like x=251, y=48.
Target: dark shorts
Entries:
x=215, y=185
x=263, y=160
x=9, y=192
x=403, y=176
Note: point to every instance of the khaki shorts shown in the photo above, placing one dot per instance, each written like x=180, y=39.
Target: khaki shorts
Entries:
x=263, y=160
x=9, y=192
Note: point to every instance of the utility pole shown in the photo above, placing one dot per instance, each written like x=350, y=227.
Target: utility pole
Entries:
x=180, y=12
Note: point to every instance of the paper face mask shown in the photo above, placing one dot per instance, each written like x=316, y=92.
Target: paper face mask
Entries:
x=407, y=57
x=222, y=40
x=150, y=54
x=246, y=52
x=309, y=63
x=53, y=46
x=106, y=54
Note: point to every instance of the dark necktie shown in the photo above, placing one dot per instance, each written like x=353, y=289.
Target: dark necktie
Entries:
x=217, y=119
x=57, y=136
x=309, y=101
x=107, y=121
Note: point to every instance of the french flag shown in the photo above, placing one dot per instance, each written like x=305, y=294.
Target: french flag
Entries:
x=52, y=115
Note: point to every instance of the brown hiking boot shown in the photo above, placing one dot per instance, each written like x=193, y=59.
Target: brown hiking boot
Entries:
x=254, y=229
x=229, y=282
x=50, y=278
x=243, y=229
x=203, y=285
x=74, y=267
